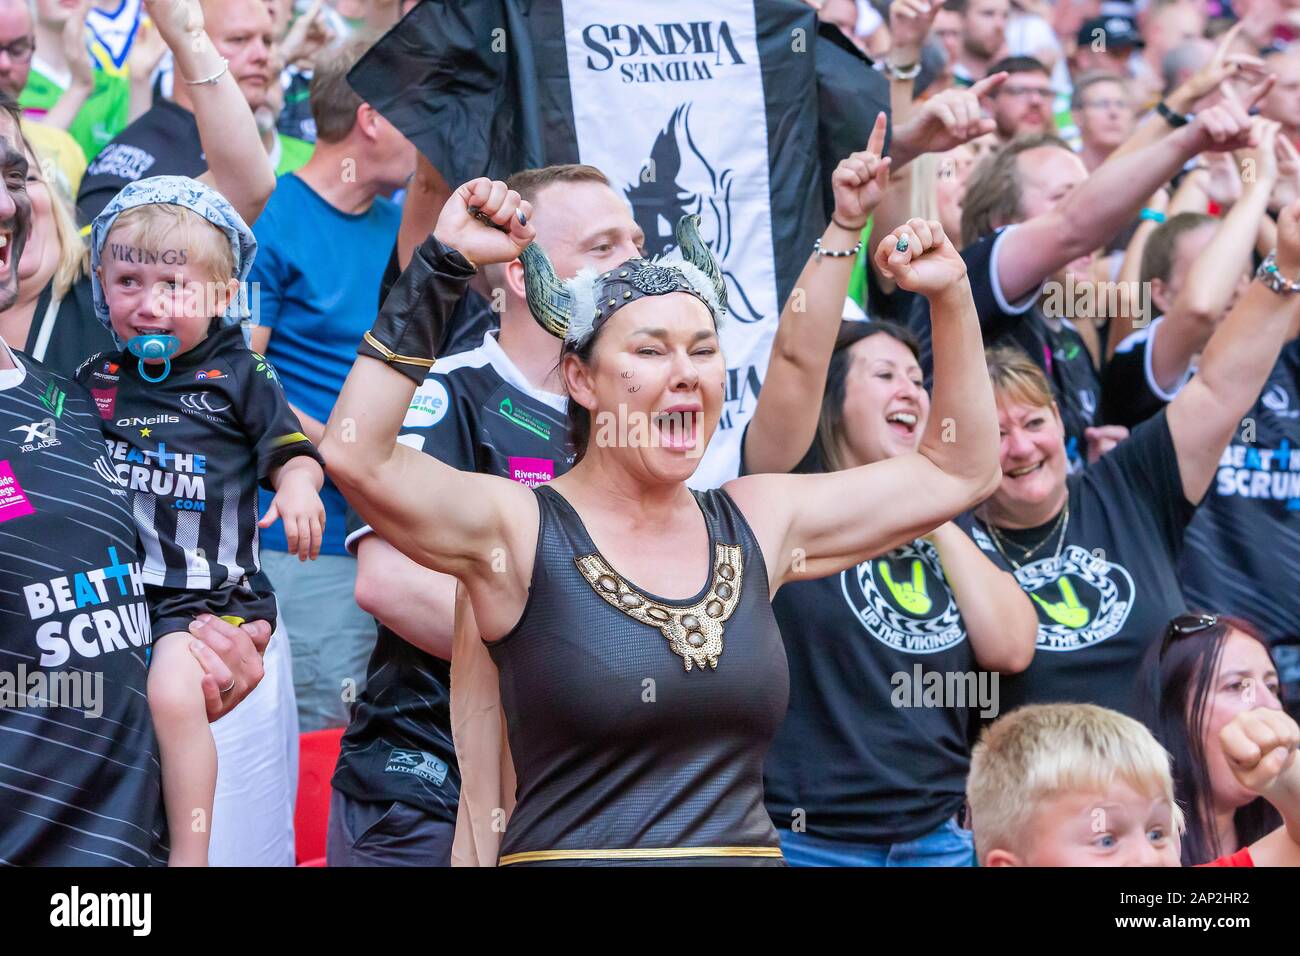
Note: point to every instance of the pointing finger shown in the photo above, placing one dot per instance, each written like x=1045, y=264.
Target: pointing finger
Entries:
x=876, y=142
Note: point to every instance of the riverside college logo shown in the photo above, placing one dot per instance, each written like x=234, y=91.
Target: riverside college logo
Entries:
x=902, y=599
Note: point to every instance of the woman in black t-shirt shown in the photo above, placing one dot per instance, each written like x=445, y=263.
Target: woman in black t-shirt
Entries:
x=869, y=767
x=1098, y=551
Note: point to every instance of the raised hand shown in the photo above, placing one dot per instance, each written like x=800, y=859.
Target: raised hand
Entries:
x=1287, y=188
x=1223, y=128
x=859, y=182
x=1102, y=439
x=953, y=117
x=176, y=20
x=1288, y=241
x=1260, y=747
x=308, y=35
x=909, y=25
x=147, y=50
x=501, y=238
x=1222, y=67
x=75, y=48
x=1262, y=160
x=920, y=258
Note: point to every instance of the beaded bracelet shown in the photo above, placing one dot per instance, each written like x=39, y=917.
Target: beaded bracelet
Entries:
x=818, y=251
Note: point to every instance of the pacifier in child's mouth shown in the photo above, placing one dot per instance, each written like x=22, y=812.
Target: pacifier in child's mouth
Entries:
x=151, y=348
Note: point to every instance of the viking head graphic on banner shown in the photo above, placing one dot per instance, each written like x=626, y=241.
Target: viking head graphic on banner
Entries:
x=678, y=180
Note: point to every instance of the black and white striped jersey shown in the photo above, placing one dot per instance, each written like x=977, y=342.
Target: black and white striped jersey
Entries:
x=477, y=412
x=79, y=770
x=192, y=450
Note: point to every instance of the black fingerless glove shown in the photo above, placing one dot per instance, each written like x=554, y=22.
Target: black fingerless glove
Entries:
x=414, y=317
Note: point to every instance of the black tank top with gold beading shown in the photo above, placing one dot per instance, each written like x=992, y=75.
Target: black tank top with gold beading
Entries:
x=639, y=725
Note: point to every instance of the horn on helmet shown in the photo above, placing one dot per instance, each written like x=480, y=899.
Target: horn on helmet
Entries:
x=549, y=299
x=695, y=251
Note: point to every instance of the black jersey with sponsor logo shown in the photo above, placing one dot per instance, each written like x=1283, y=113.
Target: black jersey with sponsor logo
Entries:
x=192, y=450
x=1057, y=348
x=1243, y=548
x=867, y=751
x=476, y=412
x=1113, y=587
x=1129, y=390
x=79, y=782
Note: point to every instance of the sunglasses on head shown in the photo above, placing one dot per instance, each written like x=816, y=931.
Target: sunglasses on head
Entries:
x=1185, y=625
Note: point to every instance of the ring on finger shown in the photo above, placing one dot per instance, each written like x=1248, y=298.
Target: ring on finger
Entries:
x=227, y=690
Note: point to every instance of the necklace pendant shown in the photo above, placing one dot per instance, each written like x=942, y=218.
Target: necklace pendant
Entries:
x=694, y=632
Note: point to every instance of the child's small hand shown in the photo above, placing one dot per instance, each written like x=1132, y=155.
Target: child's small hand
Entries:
x=298, y=503
x=1260, y=746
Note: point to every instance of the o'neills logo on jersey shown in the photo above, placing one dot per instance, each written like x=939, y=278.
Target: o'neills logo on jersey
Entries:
x=661, y=52
x=86, y=613
x=155, y=420
x=902, y=600
x=1081, y=599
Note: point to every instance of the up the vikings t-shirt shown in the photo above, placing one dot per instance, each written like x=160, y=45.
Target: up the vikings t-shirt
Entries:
x=866, y=752
x=79, y=782
x=1114, y=587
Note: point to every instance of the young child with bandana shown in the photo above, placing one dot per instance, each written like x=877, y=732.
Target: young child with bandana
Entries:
x=194, y=421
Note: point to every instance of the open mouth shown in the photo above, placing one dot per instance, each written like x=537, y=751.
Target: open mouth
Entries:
x=677, y=428
x=902, y=423
x=1022, y=472
x=6, y=248
x=150, y=330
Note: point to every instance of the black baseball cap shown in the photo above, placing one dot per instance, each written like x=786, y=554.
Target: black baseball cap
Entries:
x=1118, y=32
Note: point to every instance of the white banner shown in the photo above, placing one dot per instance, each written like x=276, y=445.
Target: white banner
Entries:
x=668, y=102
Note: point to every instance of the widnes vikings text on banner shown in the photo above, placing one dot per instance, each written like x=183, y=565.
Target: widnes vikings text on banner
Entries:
x=730, y=111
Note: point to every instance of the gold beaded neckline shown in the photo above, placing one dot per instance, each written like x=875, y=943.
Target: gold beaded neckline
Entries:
x=693, y=632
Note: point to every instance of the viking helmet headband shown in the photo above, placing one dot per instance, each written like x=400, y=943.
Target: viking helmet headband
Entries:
x=573, y=310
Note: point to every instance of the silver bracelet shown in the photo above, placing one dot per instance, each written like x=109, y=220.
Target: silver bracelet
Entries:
x=818, y=251
x=209, y=80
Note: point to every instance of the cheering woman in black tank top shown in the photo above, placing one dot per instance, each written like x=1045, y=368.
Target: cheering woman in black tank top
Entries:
x=642, y=673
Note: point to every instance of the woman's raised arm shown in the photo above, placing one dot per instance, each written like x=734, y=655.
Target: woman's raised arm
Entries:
x=1235, y=365
x=237, y=163
x=452, y=521
x=813, y=525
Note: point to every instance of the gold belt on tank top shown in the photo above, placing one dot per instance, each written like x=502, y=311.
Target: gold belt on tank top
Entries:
x=663, y=853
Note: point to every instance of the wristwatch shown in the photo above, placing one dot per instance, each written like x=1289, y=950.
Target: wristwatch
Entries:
x=1173, y=119
x=1268, y=274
